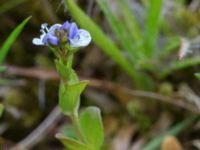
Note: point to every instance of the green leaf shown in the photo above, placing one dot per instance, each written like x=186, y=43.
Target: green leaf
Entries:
x=72, y=144
x=10, y=40
x=63, y=70
x=1, y=109
x=155, y=143
x=197, y=75
x=69, y=131
x=69, y=96
x=92, y=128
x=153, y=26
x=8, y=5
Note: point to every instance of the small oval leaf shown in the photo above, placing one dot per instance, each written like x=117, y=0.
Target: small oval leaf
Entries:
x=69, y=96
x=92, y=128
x=72, y=144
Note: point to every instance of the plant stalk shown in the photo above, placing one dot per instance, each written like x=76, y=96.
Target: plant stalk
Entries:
x=75, y=120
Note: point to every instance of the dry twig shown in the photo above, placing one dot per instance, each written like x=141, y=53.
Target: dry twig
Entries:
x=40, y=132
x=113, y=88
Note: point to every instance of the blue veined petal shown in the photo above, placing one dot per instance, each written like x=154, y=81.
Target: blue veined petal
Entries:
x=52, y=40
x=82, y=39
x=73, y=30
x=66, y=25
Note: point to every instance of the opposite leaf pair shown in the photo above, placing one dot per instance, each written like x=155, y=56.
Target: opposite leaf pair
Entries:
x=92, y=130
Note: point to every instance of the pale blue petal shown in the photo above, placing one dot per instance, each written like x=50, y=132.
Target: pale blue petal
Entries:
x=73, y=31
x=82, y=39
x=37, y=41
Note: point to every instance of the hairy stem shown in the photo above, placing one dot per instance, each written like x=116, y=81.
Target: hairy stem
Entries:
x=76, y=123
x=70, y=61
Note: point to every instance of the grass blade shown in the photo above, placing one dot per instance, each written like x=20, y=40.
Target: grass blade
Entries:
x=155, y=143
x=131, y=22
x=153, y=26
x=104, y=42
x=120, y=31
x=12, y=37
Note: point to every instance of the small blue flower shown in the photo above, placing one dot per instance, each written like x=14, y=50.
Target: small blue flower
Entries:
x=52, y=36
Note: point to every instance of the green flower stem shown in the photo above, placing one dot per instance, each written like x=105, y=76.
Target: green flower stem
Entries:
x=69, y=60
x=76, y=123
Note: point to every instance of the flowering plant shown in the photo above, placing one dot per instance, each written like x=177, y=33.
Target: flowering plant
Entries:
x=64, y=40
